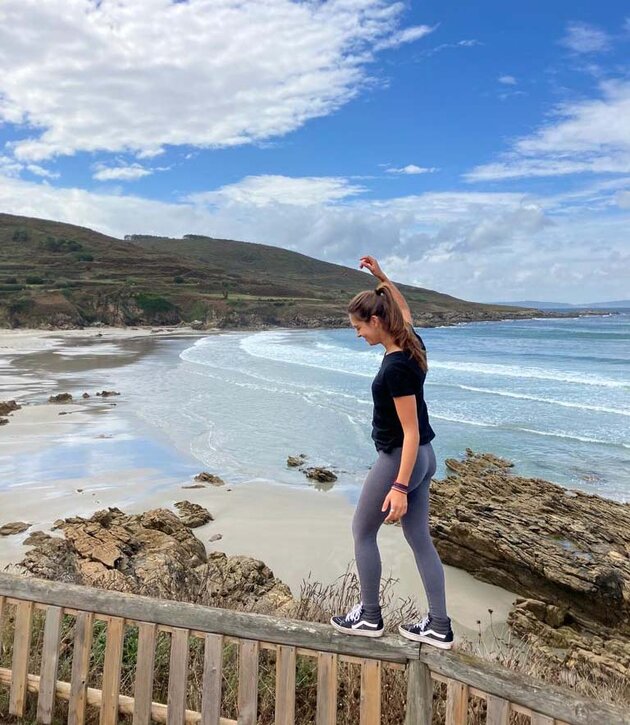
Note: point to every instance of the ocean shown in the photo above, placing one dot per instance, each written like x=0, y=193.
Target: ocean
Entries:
x=552, y=395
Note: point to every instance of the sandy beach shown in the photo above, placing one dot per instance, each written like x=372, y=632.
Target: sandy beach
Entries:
x=61, y=460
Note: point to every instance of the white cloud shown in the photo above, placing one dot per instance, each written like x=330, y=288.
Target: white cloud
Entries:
x=266, y=190
x=129, y=172
x=622, y=199
x=411, y=169
x=507, y=80
x=585, y=38
x=41, y=171
x=585, y=136
x=136, y=75
x=468, y=43
x=407, y=35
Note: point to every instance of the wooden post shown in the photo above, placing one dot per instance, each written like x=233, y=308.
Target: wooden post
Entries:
x=285, y=685
x=456, y=703
x=48, y=670
x=143, y=692
x=212, y=674
x=111, y=671
x=370, y=709
x=248, y=683
x=19, y=666
x=419, y=694
x=498, y=711
x=178, y=677
x=538, y=719
x=80, y=668
x=326, y=689
x=2, y=600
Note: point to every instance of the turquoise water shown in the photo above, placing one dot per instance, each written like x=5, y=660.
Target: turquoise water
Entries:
x=551, y=395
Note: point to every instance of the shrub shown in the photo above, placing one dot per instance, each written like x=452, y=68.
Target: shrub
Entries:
x=178, y=280
x=35, y=280
x=20, y=235
x=84, y=257
x=11, y=280
x=62, y=246
x=152, y=304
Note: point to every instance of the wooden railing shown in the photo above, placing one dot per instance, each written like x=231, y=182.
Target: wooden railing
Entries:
x=466, y=677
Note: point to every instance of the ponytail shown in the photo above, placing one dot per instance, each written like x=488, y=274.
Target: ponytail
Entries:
x=381, y=303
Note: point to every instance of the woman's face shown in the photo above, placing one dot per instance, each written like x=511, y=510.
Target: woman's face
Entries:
x=369, y=330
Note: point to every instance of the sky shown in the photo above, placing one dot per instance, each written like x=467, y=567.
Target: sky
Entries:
x=478, y=149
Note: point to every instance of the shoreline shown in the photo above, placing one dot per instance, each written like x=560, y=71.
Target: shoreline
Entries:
x=255, y=518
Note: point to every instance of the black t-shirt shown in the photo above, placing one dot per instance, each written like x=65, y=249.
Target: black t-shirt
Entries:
x=399, y=375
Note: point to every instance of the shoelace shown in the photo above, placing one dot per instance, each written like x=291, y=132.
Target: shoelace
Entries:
x=354, y=614
x=422, y=624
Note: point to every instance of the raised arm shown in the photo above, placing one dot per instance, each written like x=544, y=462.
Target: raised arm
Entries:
x=373, y=266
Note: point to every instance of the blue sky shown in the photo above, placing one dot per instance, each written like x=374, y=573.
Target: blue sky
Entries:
x=479, y=149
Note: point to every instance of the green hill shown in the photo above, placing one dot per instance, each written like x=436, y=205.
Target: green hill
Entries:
x=60, y=275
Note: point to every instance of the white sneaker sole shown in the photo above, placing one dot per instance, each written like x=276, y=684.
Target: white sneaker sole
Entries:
x=358, y=632
x=424, y=640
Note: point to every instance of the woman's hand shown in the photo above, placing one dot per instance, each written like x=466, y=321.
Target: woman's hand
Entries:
x=374, y=267
x=396, y=502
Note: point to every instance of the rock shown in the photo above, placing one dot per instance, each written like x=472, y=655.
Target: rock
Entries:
x=216, y=537
x=322, y=475
x=35, y=538
x=195, y=485
x=85, y=395
x=205, y=477
x=15, y=527
x=60, y=398
x=154, y=553
x=197, y=325
x=107, y=393
x=8, y=406
x=566, y=553
x=192, y=514
x=4, y=421
x=296, y=461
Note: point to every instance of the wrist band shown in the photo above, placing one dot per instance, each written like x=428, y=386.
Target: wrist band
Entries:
x=400, y=487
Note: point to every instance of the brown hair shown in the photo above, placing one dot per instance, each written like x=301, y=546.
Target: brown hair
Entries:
x=381, y=302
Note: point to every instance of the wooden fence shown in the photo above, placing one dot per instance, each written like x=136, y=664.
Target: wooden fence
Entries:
x=111, y=614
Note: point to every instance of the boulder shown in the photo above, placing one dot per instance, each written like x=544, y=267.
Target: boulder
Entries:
x=296, y=461
x=8, y=406
x=60, y=398
x=205, y=477
x=107, y=393
x=15, y=527
x=322, y=475
x=192, y=514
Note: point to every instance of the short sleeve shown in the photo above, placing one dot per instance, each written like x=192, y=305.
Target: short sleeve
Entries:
x=399, y=380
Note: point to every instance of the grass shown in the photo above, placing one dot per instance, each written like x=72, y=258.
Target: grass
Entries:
x=316, y=602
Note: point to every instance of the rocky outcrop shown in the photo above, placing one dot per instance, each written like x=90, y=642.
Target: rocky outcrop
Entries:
x=192, y=514
x=153, y=553
x=321, y=475
x=205, y=477
x=8, y=406
x=296, y=461
x=566, y=552
x=15, y=527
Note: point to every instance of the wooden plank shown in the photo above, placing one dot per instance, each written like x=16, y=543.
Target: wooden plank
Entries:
x=370, y=708
x=498, y=711
x=212, y=674
x=285, y=685
x=419, y=694
x=248, y=683
x=243, y=625
x=145, y=663
x=95, y=697
x=178, y=677
x=539, y=719
x=50, y=660
x=456, y=703
x=111, y=671
x=326, y=689
x=80, y=667
x=19, y=665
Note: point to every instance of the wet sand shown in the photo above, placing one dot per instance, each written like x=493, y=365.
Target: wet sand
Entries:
x=96, y=455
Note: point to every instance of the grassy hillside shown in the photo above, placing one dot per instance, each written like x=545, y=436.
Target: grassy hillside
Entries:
x=60, y=275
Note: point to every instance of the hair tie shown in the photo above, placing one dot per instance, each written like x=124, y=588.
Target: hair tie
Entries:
x=380, y=289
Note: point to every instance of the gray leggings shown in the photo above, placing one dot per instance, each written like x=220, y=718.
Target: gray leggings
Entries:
x=368, y=518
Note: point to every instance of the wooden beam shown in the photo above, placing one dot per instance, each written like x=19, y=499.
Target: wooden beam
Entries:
x=212, y=679
x=248, y=683
x=498, y=711
x=312, y=635
x=145, y=662
x=50, y=660
x=419, y=694
x=178, y=677
x=285, y=685
x=80, y=668
x=370, y=705
x=111, y=671
x=456, y=703
x=21, y=651
x=326, y=689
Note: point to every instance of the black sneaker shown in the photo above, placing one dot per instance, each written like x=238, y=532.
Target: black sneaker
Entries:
x=355, y=623
x=422, y=632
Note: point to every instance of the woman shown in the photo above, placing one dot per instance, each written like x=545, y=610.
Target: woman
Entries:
x=397, y=486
